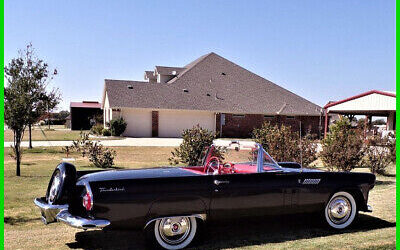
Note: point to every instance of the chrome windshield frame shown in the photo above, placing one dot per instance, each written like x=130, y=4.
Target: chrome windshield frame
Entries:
x=260, y=159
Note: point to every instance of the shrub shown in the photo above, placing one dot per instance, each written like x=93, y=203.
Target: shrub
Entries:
x=342, y=149
x=101, y=157
x=195, y=140
x=117, y=126
x=106, y=132
x=308, y=150
x=82, y=144
x=392, y=147
x=378, y=154
x=285, y=145
x=97, y=129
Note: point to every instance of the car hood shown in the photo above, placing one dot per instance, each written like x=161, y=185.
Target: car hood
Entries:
x=143, y=173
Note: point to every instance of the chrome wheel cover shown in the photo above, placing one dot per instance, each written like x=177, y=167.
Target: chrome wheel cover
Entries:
x=55, y=188
x=174, y=230
x=339, y=210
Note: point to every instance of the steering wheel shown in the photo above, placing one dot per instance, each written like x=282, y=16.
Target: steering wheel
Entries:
x=228, y=168
x=209, y=166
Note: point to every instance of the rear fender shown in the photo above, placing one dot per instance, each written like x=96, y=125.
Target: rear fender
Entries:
x=177, y=206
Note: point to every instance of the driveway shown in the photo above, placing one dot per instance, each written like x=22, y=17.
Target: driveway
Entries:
x=128, y=142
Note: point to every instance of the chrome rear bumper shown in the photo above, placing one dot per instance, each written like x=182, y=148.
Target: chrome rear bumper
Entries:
x=52, y=213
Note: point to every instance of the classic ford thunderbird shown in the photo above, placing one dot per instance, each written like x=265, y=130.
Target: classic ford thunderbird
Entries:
x=170, y=202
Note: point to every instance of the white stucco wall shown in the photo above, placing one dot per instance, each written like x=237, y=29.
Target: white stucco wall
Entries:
x=171, y=123
x=106, y=112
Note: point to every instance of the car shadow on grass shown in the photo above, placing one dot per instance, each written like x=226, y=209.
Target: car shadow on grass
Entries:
x=18, y=220
x=239, y=233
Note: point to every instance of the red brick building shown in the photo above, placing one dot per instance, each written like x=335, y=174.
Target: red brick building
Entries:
x=210, y=91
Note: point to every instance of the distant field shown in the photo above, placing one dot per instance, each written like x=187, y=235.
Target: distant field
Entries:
x=24, y=230
x=56, y=133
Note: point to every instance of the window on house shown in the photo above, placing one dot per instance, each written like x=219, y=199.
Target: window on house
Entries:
x=269, y=117
x=238, y=116
x=289, y=117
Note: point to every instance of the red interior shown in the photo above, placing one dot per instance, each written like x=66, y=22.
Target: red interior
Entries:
x=238, y=169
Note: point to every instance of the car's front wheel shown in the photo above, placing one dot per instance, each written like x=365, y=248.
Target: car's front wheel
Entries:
x=341, y=210
x=175, y=232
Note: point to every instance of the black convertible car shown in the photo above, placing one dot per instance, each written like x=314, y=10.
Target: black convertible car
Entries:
x=170, y=202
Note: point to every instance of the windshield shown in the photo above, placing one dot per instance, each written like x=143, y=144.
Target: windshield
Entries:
x=239, y=157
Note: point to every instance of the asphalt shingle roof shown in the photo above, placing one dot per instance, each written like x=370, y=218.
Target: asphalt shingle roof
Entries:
x=211, y=83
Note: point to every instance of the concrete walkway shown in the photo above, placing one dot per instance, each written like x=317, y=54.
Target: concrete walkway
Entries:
x=127, y=142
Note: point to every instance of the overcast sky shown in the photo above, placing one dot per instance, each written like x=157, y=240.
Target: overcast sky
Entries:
x=321, y=50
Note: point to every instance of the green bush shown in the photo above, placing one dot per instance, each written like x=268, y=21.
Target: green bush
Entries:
x=378, y=154
x=285, y=145
x=97, y=129
x=106, y=132
x=117, y=126
x=101, y=157
x=195, y=141
x=342, y=149
x=392, y=147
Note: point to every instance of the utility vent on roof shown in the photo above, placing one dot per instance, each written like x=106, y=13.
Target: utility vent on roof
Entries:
x=208, y=95
x=185, y=90
x=130, y=87
x=223, y=73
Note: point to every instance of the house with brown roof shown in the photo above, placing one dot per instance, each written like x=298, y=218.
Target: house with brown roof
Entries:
x=211, y=91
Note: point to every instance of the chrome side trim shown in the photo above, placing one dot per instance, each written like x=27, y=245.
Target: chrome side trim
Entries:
x=203, y=217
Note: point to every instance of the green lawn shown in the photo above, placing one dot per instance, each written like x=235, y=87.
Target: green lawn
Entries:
x=24, y=230
x=56, y=133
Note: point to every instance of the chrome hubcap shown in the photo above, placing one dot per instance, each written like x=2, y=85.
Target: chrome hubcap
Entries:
x=55, y=186
x=174, y=230
x=339, y=210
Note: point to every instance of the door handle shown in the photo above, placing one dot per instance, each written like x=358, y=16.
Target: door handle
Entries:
x=217, y=182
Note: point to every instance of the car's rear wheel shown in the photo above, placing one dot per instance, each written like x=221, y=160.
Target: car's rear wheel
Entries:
x=61, y=184
x=341, y=210
x=175, y=232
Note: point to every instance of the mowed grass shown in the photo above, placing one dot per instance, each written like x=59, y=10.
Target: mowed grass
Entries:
x=54, y=134
x=44, y=134
x=24, y=230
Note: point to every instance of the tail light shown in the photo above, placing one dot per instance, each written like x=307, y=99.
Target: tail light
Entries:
x=87, y=199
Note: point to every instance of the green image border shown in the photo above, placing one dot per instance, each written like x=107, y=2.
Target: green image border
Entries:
x=2, y=124
x=397, y=123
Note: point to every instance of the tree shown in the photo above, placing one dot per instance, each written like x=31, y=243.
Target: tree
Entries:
x=25, y=96
x=342, y=149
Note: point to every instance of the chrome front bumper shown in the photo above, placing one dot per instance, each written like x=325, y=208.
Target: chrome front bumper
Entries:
x=53, y=213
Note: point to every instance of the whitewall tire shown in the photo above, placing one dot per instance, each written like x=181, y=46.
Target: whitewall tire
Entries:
x=341, y=210
x=175, y=232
